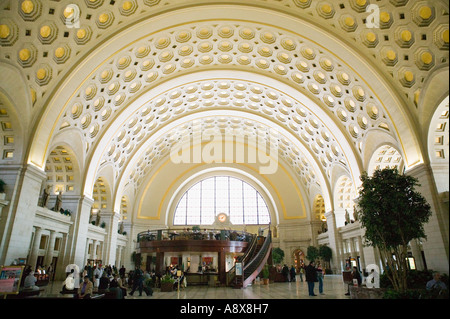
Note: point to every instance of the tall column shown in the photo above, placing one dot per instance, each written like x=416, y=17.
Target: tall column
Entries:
x=50, y=249
x=86, y=251
x=78, y=232
x=119, y=257
x=335, y=242
x=417, y=254
x=94, y=254
x=18, y=224
x=436, y=246
x=112, y=221
x=159, y=263
x=63, y=259
x=35, y=248
x=222, y=272
x=361, y=253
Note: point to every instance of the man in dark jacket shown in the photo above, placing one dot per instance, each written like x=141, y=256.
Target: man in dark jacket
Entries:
x=285, y=272
x=138, y=281
x=311, y=277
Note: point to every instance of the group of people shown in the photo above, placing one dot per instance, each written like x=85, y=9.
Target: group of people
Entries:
x=289, y=274
x=30, y=280
x=106, y=280
x=314, y=274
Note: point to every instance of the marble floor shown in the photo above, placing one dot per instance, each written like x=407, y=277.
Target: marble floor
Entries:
x=334, y=288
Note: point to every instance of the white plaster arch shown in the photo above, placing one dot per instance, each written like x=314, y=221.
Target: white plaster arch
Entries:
x=74, y=140
x=344, y=192
x=103, y=144
x=373, y=141
x=314, y=162
x=384, y=93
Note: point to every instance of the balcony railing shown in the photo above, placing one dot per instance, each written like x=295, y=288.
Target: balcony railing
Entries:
x=189, y=234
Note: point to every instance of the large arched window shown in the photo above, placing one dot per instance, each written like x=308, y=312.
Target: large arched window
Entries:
x=221, y=194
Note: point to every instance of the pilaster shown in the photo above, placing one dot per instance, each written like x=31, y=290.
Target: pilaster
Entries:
x=17, y=223
x=78, y=234
x=111, y=220
x=335, y=242
x=436, y=246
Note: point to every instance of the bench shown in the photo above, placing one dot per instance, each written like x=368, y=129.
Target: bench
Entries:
x=26, y=293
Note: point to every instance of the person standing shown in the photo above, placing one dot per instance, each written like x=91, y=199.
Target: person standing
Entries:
x=285, y=272
x=122, y=271
x=320, y=277
x=355, y=275
x=311, y=277
x=302, y=271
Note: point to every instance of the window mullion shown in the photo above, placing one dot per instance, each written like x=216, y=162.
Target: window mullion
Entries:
x=229, y=209
x=243, y=203
x=257, y=207
x=200, y=204
x=186, y=219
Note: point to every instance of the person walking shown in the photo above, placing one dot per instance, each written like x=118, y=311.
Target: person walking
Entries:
x=293, y=273
x=320, y=277
x=138, y=281
x=311, y=277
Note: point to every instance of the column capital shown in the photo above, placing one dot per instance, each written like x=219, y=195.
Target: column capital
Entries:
x=86, y=200
x=329, y=214
x=419, y=169
x=35, y=172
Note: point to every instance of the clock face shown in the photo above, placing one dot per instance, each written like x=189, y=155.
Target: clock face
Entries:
x=222, y=217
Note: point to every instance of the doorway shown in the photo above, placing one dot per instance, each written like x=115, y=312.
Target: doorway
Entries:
x=299, y=259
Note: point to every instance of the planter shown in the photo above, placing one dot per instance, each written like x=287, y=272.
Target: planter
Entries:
x=366, y=293
x=166, y=286
x=265, y=281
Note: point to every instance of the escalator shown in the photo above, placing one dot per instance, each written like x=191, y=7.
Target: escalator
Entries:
x=254, y=261
x=248, y=255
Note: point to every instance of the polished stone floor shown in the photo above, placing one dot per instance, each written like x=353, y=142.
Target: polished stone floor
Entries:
x=333, y=287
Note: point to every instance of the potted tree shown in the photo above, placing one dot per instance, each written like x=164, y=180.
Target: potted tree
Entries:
x=393, y=213
x=277, y=255
x=265, y=274
x=325, y=253
x=167, y=283
x=312, y=253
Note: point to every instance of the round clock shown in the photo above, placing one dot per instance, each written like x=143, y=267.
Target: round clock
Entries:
x=222, y=217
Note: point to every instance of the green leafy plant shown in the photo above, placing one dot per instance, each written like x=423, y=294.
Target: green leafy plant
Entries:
x=2, y=186
x=167, y=279
x=312, y=253
x=277, y=255
x=103, y=225
x=265, y=271
x=148, y=282
x=393, y=214
x=325, y=253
